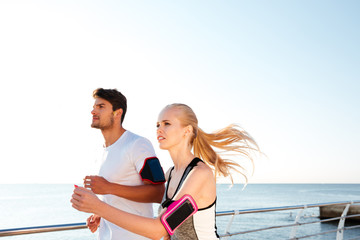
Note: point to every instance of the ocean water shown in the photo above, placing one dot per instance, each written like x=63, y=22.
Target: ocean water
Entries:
x=24, y=205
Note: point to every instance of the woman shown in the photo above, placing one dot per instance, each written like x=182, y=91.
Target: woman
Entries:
x=178, y=132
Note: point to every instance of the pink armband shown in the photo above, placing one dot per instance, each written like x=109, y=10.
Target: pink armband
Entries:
x=178, y=212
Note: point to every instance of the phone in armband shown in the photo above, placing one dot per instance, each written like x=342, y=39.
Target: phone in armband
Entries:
x=178, y=212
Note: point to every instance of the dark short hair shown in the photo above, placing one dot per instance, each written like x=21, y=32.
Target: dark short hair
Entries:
x=116, y=98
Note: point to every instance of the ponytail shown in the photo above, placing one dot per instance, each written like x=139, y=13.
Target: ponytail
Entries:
x=231, y=139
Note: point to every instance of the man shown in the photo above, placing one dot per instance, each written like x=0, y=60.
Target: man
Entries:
x=130, y=177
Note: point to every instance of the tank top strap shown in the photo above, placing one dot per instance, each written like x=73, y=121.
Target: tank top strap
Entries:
x=191, y=165
x=195, y=161
x=188, y=169
x=167, y=201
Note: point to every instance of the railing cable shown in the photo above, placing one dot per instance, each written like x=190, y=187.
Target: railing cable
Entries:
x=340, y=229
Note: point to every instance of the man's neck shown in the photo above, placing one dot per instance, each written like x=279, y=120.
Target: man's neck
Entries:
x=112, y=135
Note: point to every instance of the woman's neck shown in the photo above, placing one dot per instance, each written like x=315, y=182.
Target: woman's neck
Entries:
x=181, y=157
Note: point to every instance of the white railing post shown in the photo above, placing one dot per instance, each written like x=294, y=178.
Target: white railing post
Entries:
x=297, y=220
x=227, y=230
x=340, y=231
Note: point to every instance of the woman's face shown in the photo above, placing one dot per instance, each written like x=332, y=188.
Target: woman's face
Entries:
x=170, y=132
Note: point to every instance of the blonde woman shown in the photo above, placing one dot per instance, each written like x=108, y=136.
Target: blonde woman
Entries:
x=190, y=196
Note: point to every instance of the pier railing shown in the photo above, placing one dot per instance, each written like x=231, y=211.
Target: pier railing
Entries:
x=41, y=229
x=292, y=227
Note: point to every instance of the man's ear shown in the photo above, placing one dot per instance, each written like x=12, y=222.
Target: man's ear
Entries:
x=118, y=113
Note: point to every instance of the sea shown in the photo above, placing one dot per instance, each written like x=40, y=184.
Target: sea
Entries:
x=28, y=205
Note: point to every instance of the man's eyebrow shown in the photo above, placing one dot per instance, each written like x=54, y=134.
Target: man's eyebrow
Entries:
x=99, y=105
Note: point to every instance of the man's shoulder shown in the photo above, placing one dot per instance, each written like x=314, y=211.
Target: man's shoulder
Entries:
x=135, y=139
x=138, y=147
x=132, y=137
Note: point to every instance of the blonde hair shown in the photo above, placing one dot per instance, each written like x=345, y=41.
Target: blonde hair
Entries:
x=231, y=139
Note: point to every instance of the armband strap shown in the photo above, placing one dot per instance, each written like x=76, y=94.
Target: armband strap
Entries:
x=152, y=171
x=178, y=212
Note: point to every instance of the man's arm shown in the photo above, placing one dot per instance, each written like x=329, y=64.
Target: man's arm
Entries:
x=146, y=193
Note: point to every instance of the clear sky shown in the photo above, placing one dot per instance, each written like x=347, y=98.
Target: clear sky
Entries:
x=286, y=71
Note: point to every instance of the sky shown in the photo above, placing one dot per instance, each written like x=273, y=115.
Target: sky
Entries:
x=285, y=71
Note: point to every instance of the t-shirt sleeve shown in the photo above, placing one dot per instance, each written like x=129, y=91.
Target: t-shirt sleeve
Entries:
x=146, y=162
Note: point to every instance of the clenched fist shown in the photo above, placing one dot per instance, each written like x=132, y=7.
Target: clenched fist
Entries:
x=97, y=184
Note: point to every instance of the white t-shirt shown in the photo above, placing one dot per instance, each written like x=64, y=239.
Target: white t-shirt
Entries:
x=122, y=163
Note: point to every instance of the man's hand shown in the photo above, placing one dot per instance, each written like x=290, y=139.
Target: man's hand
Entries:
x=93, y=222
x=97, y=184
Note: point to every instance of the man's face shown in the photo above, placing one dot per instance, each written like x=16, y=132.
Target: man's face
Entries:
x=102, y=113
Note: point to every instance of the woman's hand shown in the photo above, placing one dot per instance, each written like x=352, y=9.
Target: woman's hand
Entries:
x=85, y=200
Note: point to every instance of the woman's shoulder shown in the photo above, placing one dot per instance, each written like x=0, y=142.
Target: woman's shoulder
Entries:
x=201, y=185
x=202, y=170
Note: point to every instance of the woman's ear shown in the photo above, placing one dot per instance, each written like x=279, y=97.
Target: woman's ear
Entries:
x=188, y=130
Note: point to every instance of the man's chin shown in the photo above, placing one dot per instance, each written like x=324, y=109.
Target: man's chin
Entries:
x=95, y=126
